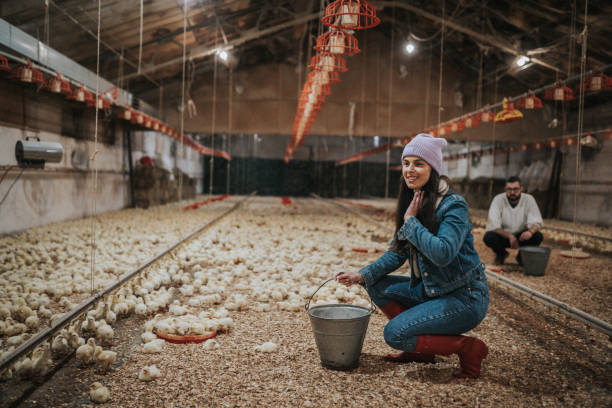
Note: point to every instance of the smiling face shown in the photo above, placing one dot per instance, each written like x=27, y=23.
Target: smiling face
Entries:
x=415, y=171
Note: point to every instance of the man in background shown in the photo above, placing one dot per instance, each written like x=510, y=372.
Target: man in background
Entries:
x=514, y=220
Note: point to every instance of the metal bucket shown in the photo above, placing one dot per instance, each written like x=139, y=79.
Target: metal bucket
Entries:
x=534, y=259
x=339, y=331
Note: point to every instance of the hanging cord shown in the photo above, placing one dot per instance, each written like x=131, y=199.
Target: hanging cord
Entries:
x=583, y=39
x=388, y=155
x=141, y=26
x=570, y=60
x=493, y=136
x=214, y=106
x=183, y=105
x=364, y=68
x=47, y=22
x=441, y=61
x=12, y=184
x=427, y=90
x=93, y=158
x=229, y=127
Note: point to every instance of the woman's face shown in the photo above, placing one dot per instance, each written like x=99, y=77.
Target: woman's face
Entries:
x=415, y=171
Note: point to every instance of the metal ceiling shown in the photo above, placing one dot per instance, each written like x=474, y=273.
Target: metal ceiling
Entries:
x=272, y=30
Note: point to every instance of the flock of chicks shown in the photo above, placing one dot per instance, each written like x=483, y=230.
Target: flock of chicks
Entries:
x=240, y=265
x=46, y=270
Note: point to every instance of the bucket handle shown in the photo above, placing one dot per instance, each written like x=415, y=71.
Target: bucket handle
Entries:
x=307, y=305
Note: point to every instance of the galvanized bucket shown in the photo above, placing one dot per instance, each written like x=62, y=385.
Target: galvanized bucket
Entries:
x=339, y=331
x=534, y=259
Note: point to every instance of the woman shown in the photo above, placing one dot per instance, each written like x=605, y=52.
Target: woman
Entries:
x=447, y=292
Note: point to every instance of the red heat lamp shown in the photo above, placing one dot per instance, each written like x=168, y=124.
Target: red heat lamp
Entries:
x=27, y=73
x=125, y=114
x=328, y=62
x=456, y=126
x=337, y=42
x=350, y=15
x=487, y=116
x=529, y=102
x=58, y=84
x=470, y=122
x=4, y=66
x=559, y=93
x=82, y=95
x=138, y=118
x=596, y=83
x=102, y=102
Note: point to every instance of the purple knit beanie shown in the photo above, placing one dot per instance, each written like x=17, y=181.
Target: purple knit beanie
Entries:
x=428, y=148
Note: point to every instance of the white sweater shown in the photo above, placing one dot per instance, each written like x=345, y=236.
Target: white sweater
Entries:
x=524, y=215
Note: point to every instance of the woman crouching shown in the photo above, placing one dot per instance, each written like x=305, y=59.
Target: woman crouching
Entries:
x=446, y=293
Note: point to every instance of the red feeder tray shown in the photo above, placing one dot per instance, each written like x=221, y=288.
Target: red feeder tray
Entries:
x=337, y=42
x=171, y=338
x=350, y=15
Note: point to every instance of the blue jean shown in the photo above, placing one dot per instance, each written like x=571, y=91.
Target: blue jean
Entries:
x=454, y=313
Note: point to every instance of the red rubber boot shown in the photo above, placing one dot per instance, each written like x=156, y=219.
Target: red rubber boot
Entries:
x=391, y=310
x=471, y=351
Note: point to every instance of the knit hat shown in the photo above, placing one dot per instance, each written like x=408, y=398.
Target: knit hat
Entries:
x=428, y=148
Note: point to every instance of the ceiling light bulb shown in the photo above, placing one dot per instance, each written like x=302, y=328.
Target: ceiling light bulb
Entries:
x=409, y=48
x=522, y=60
x=222, y=54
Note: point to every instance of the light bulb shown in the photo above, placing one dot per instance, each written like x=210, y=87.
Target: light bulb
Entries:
x=409, y=48
x=522, y=60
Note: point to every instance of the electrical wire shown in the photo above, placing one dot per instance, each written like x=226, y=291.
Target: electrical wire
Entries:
x=93, y=157
x=584, y=38
x=11, y=186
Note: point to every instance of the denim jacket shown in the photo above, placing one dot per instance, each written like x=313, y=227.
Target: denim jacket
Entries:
x=447, y=260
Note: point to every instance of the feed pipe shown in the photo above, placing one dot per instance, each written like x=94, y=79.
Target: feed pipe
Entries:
x=89, y=302
x=564, y=308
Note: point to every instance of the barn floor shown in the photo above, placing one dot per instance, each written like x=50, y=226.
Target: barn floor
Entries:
x=536, y=358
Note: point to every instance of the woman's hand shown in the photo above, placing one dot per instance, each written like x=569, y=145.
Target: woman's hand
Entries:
x=349, y=278
x=415, y=205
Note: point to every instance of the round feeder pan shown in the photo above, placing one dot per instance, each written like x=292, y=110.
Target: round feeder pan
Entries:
x=172, y=338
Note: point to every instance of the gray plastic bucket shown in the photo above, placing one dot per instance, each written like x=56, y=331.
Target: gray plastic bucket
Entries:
x=339, y=331
x=534, y=259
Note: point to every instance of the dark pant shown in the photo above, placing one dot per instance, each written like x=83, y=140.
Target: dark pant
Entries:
x=499, y=243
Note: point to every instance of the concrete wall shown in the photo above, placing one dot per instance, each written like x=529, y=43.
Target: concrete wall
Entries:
x=62, y=191
x=593, y=193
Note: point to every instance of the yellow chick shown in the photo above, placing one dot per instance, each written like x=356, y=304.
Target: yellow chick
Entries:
x=98, y=393
x=104, y=357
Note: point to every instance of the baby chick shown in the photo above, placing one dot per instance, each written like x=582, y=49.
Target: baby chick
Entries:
x=84, y=354
x=104, y=357
x=99, y=393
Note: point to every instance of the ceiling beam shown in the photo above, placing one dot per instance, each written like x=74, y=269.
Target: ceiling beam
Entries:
x=487, y=39
x=204, y=51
